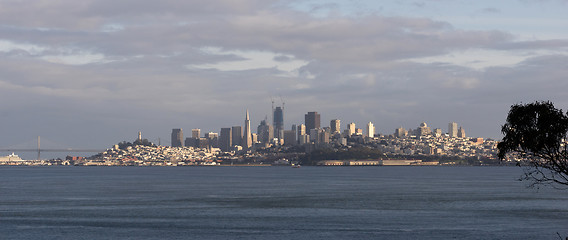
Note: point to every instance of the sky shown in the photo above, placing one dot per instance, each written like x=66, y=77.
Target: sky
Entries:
x=89, y=74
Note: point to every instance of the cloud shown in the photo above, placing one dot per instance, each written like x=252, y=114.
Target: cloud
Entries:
x=152, y=66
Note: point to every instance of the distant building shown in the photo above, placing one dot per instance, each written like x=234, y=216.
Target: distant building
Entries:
x=289, y=137
x=191, y=142
x=265, y=132
x=370, y=130
x=350, y=129
x=247, y=135
x=301, y=129
x=312, y=120
x=423, y=130
x=400, y=132
x=225, y=141
x=237, y=135
x=453, y=129
x=358, y=132
x=278, y=122
x=437, y=132
x=461, y=133
x=177, y=137
x=195, y=133
x=335, y=125
x=213, y=139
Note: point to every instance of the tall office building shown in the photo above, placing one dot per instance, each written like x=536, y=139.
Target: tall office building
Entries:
x=370, y=130
x=278, y=122
x=453, y=129
x=350, y=129
x=461, y=133
x=177, y=137
x=335, y=125
x=247, y=138
x=290, y=137
x=225, y=142
x=301, y=129
x=265, y=132
x=237, y=135
x=312, y=120
x=195, y=133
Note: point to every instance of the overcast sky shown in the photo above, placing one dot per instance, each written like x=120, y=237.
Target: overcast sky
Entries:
x=92, y=73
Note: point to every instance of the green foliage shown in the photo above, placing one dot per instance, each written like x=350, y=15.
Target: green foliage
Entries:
x=536, y=132
x=340, y=154
x=143, y=142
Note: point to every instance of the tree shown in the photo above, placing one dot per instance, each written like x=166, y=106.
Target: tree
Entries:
x=536, y=132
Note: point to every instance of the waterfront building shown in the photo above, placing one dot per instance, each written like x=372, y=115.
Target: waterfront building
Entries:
x=237, y=135
x=312, y=121
x=247, y=138
x=370, y=130
x=177, y=137
x=225, y=142
x=335, y=125
x=453, y=129
x=278, y=122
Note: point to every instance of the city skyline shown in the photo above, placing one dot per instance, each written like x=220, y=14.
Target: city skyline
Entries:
x=92, y=73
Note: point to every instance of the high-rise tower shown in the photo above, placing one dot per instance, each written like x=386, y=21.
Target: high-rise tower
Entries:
x=278, y=122
x=335, y=125
x=453, y=129
x=225, y=142
x=370, y=130
x=177, y=137
x=265, y=132
x=247, y=135
x=312, y=120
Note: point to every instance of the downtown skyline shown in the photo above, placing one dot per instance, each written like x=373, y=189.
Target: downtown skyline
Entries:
x=94, y=73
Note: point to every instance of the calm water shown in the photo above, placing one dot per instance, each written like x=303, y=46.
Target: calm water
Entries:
x=276, y=203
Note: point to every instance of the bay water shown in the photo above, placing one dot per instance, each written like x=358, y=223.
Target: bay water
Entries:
x=277, y=203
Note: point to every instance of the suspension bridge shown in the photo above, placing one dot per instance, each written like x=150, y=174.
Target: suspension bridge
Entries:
x=39, y=150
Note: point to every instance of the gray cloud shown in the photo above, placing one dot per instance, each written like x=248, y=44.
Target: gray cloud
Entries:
x=137, y=69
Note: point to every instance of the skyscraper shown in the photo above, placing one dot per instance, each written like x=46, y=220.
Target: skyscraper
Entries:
x=312, y=120
x=177, y=137
x=453, y=129
x=370, y=130
x=461, y=133
x=195, y=133
x=278, y=122
x=225, y=142
x=335, y=125
x=350, y=129
x=237, y=135
x=265, y=132
x=301, y=129
x=247, y=138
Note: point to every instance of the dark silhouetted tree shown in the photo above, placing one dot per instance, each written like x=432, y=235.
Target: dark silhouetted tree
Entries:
x=536, y=132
